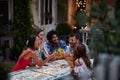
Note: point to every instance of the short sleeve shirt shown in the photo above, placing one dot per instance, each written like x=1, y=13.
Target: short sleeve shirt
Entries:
x=61, y=44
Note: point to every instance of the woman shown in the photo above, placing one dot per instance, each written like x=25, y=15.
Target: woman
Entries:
x=40, y=33
x=28, y=54
x=40, y=52
x=81, y=61
x=80, y=64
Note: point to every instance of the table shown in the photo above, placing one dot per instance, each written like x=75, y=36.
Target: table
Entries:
x=53, y=70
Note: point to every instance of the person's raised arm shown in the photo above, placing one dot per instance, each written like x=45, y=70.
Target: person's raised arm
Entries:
x=40, y=63
x=70, y=61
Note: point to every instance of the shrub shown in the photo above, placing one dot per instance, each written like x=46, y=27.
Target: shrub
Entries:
x=63, y=29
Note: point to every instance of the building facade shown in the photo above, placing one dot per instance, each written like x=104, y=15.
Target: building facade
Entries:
x=46, y=15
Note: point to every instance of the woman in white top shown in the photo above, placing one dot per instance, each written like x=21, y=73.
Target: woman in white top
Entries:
x=80, y=64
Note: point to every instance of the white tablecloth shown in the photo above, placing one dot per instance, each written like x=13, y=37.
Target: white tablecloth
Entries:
x=51, y=71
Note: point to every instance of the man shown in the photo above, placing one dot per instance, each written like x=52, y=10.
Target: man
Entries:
x=53, y=43
x=73, y=40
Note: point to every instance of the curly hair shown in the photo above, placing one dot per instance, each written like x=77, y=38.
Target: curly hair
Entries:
x=50, y=35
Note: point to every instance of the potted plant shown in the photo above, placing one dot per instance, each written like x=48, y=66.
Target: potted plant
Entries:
x=64, y=29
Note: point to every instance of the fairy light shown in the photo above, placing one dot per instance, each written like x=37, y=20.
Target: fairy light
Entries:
x=81, y=5
x=75, y=27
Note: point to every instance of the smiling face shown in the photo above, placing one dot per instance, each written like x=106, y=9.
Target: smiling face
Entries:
x=37, y=42
x=73, y=40
x=41, y=35
x=54, y=39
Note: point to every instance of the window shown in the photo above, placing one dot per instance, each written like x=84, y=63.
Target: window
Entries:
x=46, y=12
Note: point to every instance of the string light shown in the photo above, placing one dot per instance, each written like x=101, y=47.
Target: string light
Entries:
x=81, y=4
x=75, y=27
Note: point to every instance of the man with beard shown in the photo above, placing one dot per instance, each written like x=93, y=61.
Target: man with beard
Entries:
x=73, y=40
